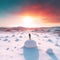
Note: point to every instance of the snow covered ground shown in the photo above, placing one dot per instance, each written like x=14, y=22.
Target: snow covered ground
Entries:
x=11, y=46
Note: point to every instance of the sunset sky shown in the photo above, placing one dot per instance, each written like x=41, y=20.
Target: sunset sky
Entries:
x=29, y=13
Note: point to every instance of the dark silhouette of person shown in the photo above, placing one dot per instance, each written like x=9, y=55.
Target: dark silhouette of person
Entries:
x=29, y=36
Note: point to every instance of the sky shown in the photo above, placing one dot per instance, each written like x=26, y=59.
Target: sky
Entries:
x=41, y=13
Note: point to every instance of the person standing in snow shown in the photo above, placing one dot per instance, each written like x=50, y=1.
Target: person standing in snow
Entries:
x=29, y=36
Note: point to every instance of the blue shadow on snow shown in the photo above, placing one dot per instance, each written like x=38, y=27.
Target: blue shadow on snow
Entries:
x=31, y=53
x=51, y=54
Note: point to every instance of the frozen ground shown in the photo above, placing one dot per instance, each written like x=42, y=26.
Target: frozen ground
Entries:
x=11, y=46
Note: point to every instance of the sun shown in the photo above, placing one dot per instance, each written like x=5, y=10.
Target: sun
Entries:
x=28, y=21
x=31, y=21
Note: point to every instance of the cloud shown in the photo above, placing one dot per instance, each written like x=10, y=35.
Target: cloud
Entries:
x=42, y=8
x=51, y=20
x=11, y=5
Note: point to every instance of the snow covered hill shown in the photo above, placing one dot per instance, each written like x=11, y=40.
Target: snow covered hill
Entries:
x=11, y=46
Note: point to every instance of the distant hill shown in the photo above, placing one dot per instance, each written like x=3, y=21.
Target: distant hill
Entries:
x=40, y=29
x=12, y=29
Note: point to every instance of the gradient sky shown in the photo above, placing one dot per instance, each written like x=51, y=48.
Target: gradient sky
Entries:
x=47, y=12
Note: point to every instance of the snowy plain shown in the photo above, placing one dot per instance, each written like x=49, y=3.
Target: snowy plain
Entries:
x=11, y=46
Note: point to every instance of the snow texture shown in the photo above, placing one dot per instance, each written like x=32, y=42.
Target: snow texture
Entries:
x=11, y=46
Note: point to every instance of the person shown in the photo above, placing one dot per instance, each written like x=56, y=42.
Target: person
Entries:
x=30, y=36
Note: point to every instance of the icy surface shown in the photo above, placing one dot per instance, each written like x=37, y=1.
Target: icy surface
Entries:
x=11, y=46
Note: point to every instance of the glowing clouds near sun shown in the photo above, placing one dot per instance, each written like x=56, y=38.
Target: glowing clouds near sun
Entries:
x=46, y=11
x=30, y=21
x=27, y=21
